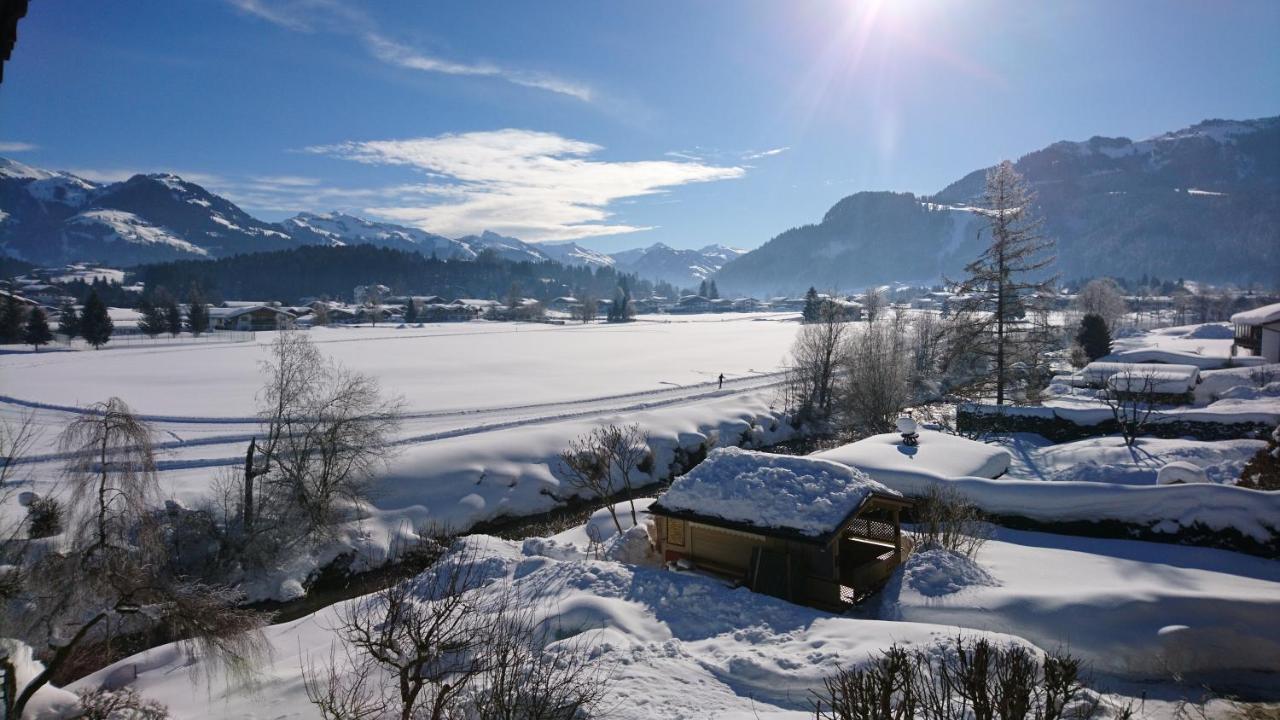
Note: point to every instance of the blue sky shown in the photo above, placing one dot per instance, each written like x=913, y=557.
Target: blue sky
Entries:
x=618, y=124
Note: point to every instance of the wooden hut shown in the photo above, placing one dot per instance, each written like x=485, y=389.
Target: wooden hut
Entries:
x=810, y=531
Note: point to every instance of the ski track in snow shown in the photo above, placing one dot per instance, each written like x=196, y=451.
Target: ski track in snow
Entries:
x=415, y=421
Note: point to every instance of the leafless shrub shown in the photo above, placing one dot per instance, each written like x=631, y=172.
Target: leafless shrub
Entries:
x=604, y=460
x=123, y=704
x=960, y=678
x=1131, y=397
x=443, y=647
x=946, y=519
x=877, y=382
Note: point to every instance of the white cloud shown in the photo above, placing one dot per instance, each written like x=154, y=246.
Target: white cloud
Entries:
x=766, y=153
x=537, y=185
x=347, y=19
x=17, y=147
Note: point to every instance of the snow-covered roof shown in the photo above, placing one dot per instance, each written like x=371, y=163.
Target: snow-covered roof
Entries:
x=1133, y=376
x=771, y=492
x=1160, y=356
x=230, y=312
x=936, y=452
x=1258, y=316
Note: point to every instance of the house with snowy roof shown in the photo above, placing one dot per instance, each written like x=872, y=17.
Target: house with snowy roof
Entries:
x=810, y=531
x=253, y=317
x=1257, y=332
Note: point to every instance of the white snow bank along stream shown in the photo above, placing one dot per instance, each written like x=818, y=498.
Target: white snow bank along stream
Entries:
x=678, y=645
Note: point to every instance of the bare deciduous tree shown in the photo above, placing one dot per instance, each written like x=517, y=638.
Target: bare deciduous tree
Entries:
x=1102, y=297
x=627, y=448
x=872, y=302
x=878, y=375
x=114, y=573
x=815, y=358
x=588, y=467
x=328, y=432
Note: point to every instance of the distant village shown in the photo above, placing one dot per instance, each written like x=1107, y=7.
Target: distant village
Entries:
x=56, y=288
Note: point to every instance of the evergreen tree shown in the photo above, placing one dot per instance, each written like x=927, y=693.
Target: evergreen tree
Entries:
x=197, y=312
x=173, y=316
x=152, y=321
x=37, y=331
x=411, y=311
x=11, y=318
x=1094, y=337
x=812, y=307
x=1008, y=282
x=713, y=291
x=702, y=289
x=95, y=323
x=68, y=320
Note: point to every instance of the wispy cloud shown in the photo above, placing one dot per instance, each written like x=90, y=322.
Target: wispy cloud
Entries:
x=765, y=153
x=537, y=185
x=14, y=147
x=346, y=19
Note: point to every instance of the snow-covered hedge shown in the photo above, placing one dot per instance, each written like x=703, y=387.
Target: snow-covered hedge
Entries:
x=1062, y=424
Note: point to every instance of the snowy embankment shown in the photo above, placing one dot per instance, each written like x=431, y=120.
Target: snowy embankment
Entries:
x=1168, y=511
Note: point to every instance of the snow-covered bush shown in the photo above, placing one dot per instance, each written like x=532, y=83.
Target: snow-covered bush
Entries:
x=959, y=678
x=947, y=520
x=44, y=517
x=1263, y=470
x=1180, y=472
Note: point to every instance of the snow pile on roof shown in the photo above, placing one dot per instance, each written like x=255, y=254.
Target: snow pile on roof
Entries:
x=1158, y=356
x=1211, y=331
x=809, y=496
x=1133, y=375
x=1258, y=316
x=939, y=453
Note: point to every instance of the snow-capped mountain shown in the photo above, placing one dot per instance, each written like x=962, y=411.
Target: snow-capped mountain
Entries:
x=1199, y=203
x=682, y=268
x=53, y=217
x=571, y=253
x=335, y=228
x=507, y=248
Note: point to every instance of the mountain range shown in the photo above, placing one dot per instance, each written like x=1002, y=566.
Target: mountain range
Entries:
x=52, y=217
x=1201, y=203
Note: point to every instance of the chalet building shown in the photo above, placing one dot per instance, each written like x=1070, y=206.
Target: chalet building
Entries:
x=254, y=317
x=1257, y=333
x=810, y=531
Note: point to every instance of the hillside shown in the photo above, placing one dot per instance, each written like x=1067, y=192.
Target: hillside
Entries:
x=1199, y=203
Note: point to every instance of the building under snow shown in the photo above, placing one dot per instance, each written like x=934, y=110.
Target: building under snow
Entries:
x=806, y=530
x=1257, y=331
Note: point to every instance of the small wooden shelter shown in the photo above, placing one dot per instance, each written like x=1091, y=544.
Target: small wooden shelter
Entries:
x=806, y=530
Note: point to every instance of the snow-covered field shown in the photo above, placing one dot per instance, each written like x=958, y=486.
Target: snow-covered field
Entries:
x=488, y=407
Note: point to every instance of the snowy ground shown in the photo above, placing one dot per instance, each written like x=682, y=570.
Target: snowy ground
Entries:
x=489, y=405
x=686, y=646
x=1137, y=609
